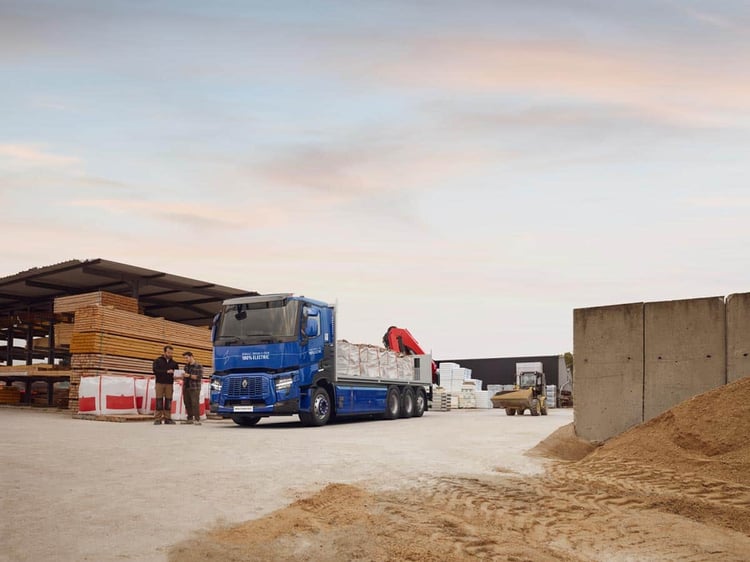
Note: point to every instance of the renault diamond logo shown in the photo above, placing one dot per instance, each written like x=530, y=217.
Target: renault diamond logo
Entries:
x=244, y=383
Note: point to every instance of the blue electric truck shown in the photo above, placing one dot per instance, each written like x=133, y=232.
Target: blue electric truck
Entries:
x=277, y=355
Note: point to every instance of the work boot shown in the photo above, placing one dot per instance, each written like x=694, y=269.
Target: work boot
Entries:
x=169, y=422
x=157, y=422
x=196, y=422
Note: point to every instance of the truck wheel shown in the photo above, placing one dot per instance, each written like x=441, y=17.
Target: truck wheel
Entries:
x=510, y=412
x=420, y=404
x=392, y=404
x=407, y=403
x=544, y=410
x=245, y=421
x=534, y=407
x=320, y=408
x=519, y=411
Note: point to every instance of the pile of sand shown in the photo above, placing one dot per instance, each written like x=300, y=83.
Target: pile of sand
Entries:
x=707, y=434
x=563, y=444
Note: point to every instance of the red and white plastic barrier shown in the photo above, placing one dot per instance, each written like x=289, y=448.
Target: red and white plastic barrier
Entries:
x=178, y=404
x=130, y=395
x=107, y=395
x=145, y=395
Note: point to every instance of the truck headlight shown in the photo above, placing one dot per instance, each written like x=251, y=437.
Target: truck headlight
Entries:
x=216, y=385
x=283, y=383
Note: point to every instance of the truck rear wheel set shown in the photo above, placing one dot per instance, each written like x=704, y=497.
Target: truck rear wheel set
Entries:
x=408, y=402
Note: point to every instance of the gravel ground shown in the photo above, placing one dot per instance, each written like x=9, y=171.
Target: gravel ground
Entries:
x=85, y=490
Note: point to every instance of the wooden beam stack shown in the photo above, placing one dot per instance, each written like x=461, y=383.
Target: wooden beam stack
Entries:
x=102, y=298
x=110, y=337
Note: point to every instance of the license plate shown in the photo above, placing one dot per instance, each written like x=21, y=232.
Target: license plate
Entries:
x=243, y=408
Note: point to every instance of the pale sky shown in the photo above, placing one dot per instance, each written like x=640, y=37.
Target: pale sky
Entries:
x=472, y=171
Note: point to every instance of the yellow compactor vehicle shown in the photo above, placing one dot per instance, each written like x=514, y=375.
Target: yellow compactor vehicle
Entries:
x=529, y=394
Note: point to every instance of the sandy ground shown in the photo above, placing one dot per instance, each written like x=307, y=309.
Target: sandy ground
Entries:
x=674, y=488
x=459, y=485
x=85, y=490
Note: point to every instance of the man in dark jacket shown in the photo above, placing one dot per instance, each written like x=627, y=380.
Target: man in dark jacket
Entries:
x=164, y=367
x=191, y=388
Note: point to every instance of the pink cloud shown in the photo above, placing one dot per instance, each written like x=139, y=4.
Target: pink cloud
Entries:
x=666, y=86
x=191, y=213
x=32, y=155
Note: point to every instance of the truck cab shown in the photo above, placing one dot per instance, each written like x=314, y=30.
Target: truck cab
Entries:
x=268, y=351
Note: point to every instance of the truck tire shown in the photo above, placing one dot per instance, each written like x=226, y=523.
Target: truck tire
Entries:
x=420, y=404
x=519, y=411
x=320, y=408
x=510, y=412
x=534, y=407
x=407, y=403
x=392, y=404
x=544, y=409
x=245, y=421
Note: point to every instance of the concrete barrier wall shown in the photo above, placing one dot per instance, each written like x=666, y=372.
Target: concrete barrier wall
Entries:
x=738, y=336
x=634, y=361
x=684, y=351
x=608, y=381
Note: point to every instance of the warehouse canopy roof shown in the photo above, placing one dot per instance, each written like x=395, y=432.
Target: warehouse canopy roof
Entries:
x=159, y=294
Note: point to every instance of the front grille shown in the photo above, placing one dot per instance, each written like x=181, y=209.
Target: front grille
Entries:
x=252, y=387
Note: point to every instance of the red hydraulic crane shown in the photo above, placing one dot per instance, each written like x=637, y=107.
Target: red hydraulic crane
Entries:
x=399, y=339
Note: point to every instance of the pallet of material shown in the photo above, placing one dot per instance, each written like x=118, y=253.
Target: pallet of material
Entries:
x=73, y=302
x=108, y=344
x=102, y=319
x=440, y=401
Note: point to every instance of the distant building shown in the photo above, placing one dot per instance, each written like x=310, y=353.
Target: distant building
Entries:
x=502, y=370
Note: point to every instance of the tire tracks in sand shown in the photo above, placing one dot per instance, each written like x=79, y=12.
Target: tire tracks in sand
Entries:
x=586, y=510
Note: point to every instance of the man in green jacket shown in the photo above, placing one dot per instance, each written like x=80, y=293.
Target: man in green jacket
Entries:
x=191, y=388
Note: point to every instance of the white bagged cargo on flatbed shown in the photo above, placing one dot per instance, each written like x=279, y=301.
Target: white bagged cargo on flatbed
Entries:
x=369, y=362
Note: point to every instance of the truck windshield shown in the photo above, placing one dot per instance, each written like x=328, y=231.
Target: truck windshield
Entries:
x=258, y=322
x=527, y=380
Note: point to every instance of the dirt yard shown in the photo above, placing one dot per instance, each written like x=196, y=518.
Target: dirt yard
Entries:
x=676, y=488
x=450, y=486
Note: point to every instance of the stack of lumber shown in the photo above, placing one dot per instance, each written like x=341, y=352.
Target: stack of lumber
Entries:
x=107, y=331
x=112, y=363
x=75, y=383
x=35, y=369
x=10, y=395
x=39, y=388
x=103, y=319
x=39, y=396
x=103, y=343
x=63, y=335
x=110, y=337
x=103, y=298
